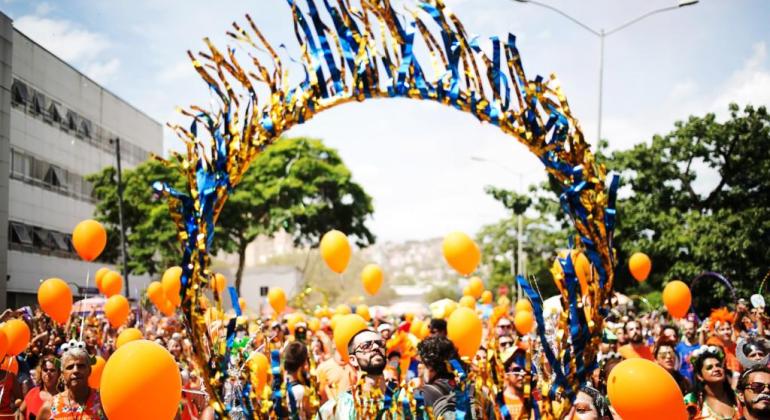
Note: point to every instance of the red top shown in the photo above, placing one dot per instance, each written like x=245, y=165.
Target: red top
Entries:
x=33, y=402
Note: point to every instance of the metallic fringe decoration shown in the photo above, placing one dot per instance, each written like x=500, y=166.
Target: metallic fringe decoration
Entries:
x=354, y=52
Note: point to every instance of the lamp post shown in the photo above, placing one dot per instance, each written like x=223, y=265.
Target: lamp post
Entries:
x=123, y=254
x=602, y=34
x=517, y=259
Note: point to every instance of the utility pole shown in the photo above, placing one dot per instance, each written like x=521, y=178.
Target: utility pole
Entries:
x=123, y=253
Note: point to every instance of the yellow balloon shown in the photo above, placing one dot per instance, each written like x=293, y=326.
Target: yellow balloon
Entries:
x=371, y=278
x=293, y=319
x=342, y=309
x=277, y=299
x=335, y=250
x=467, y=291
x=468, y=302
x=363, y=311
x=476, y=287
x=415, y=327
x=486, y=297
x=314, y=324
x=464, y=330
x=219, y=282
x=461, y=252
x=242, y=303
x=523, y=305
x=346, y=327
x=424, y=331
x=172, y=285
x=333, y=321
x=259, y=366
x=524, y=321
x=503, y=301
x=128, y=335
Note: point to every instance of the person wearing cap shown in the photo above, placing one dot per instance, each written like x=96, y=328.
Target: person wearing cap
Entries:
x=366, y=351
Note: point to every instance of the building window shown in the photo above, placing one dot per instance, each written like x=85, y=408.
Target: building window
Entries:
x=55, y=110
x=85, y=128
x=38, y=103
x=263, y=291
x=20, y=164
x=71, y=121
x=19, y=92
x=60, y=241
x=54, y=177
x=19, y=234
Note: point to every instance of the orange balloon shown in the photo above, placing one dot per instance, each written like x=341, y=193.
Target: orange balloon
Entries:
x=580, y=264
x=464, y=330
x=95, y=377
x=112, y=283
x=486, y=297
x=415, y=327
x=342, y=309
x=346, y=327
x=277, y=299
x=9, y=364
x=468, y=302
x=89, y=239
x=662, y=397
x=220, y=282
x=128, y=335
x=259, y=366
x=141, y=381
x=155, y=292
x=166, y=307
x=116, y=310
x=55, y=299
x=335, y=250
x=677, y=298
x=523, y=305
x=172, y=285
x=476, y=287
x=363, y=311
x=467, y=291
x=640, y=265
x=4, y=343
x=99, y=276
x=461, y=253
x=524, y=321
x=371, y=278
x=18, y=335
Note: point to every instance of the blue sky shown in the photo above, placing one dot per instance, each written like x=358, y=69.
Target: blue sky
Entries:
x=414, y=157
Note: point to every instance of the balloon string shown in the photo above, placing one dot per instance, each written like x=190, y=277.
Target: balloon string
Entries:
x=762, y=285
x=85, y=296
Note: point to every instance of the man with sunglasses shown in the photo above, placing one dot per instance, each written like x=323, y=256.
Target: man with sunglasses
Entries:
x=366, y=351
x=754, y=393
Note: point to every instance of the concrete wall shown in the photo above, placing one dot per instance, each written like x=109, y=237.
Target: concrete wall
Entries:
x=6, y=52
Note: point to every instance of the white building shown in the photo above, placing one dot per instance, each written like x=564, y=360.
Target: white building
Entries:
x=56, y=127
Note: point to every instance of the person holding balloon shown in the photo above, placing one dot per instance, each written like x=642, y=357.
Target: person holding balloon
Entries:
x=77, y=400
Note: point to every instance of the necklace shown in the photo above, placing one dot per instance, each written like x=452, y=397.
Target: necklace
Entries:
x=77, y=407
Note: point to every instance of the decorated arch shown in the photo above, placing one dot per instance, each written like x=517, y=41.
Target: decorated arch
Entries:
x=365, y=50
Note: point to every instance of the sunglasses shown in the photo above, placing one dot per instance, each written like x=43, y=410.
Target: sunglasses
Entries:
x=758, y=387
x=506, y=344
x=516, y=370
x=370, y=345
x=504, y=326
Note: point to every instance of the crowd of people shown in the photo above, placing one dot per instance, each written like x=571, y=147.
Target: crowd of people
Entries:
x=719, y=363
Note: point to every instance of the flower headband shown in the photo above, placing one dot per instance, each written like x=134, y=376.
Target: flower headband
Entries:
x=712, y=351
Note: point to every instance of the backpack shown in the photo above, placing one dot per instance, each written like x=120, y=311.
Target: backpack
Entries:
x=443, y=407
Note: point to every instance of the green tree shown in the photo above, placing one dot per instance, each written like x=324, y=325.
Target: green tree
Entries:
x=700, y=201
x=297, y=185
x=544, y=234
x=150, y=233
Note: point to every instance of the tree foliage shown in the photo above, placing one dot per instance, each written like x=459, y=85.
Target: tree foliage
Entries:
x=297, y=185
x=700, y=200
x=696, y=199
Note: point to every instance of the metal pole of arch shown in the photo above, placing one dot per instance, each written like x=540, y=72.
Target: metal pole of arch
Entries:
x=123, y=253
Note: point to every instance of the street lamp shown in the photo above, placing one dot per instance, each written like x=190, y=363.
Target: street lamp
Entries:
x=602, y=34
x=123, y=253
x=517, y=261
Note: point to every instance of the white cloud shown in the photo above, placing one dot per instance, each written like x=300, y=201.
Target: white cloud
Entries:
x=86, y=50
x=749, y=85
x=63, y=38
x=102, y=72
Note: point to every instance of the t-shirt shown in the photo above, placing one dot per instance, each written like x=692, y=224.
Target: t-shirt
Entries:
x=630, y=351
x=684, y=351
